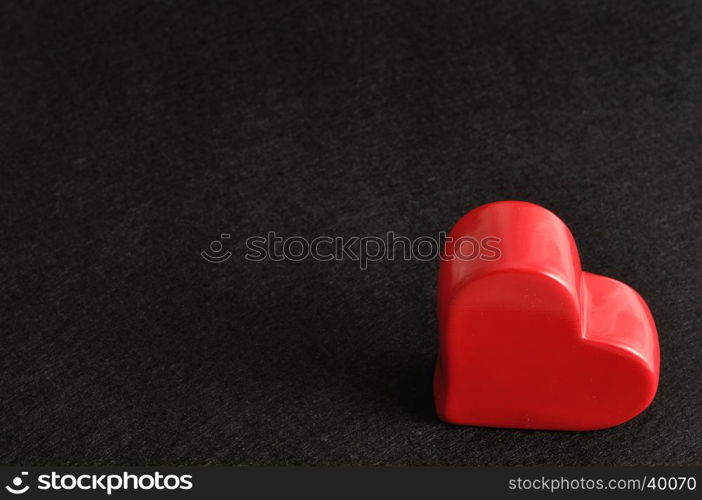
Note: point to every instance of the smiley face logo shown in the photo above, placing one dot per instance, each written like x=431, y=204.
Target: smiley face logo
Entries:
x=218, y=255
x=16, y=487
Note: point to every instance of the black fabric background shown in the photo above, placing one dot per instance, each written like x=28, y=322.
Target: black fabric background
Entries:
x=134, y=134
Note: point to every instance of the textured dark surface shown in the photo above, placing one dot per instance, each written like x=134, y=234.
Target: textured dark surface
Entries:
x=134, y=134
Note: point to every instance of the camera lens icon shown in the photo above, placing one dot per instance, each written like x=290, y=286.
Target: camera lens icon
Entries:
x=16, y=488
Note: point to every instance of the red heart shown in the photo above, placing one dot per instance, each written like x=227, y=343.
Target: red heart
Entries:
x=527, y=339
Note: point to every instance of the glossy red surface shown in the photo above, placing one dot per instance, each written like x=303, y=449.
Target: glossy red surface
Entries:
x=529, y=340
